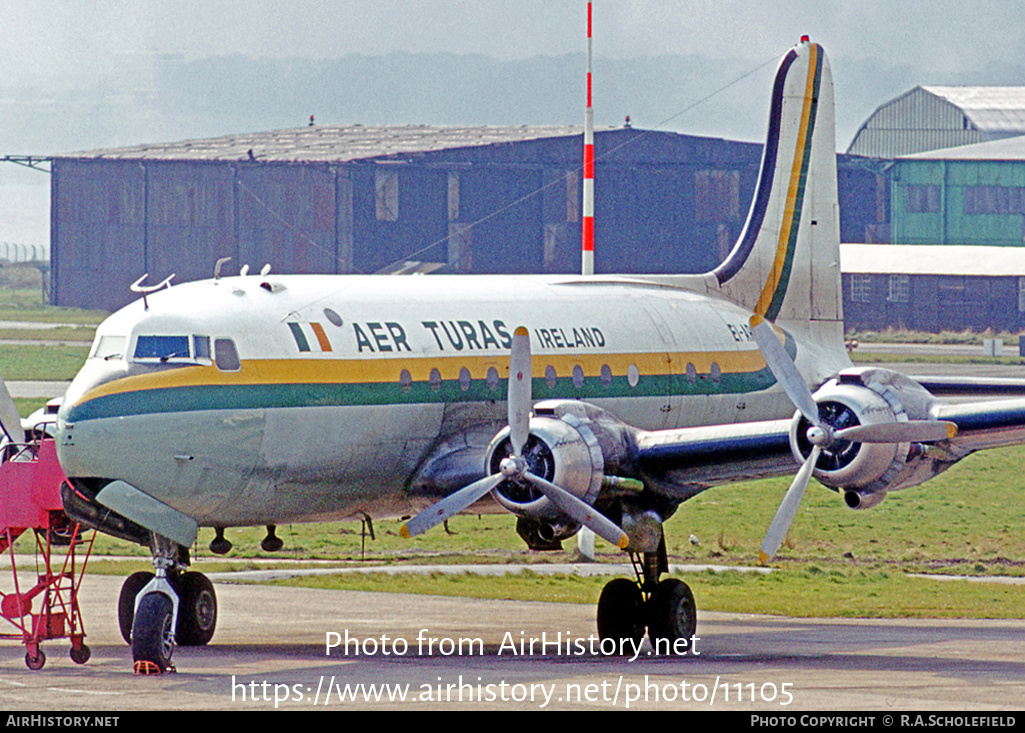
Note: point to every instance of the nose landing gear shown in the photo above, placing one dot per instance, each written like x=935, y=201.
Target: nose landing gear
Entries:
x=171, y=606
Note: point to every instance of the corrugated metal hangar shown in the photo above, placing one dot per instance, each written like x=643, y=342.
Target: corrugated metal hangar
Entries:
x=933, y=117
x=341, y=199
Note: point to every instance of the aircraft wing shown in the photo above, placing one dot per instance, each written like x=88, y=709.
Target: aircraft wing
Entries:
x=687, y=460
x=948, y=386
x=982, y=425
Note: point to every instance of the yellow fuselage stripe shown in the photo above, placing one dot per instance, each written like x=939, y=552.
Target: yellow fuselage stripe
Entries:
x=319, y=370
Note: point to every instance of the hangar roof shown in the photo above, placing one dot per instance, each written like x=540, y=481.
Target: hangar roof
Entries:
x=932, y=259
x=1008, y=148
x=335, y=143
x=989, y=108
x=936, y=117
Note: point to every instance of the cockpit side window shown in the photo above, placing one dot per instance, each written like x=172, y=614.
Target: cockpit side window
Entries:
x=226, y=355
x=109, y=347
x=162, y=347
x=202, y=346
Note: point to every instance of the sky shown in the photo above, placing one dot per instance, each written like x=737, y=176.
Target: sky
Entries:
x=71, y=35
x=67, y=42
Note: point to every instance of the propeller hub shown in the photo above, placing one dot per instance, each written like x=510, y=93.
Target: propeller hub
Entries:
x=819, y=435
x=513, y=467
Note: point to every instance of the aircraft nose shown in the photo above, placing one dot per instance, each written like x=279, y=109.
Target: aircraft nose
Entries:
x=93, y=375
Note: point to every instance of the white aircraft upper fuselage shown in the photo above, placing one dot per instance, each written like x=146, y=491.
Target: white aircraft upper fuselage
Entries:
x=343, y=386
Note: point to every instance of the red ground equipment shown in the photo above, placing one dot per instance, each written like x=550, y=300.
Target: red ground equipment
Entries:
x=30, y=480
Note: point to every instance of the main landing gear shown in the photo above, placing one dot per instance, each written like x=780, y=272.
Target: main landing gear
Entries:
x=171, y=606
x=665, y=608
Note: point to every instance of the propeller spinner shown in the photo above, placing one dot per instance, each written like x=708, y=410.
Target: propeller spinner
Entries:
x=821, y=435
x=514, y=467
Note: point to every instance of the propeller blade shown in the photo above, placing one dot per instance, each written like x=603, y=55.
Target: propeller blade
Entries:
x=581, y=511
x=449, y=506
x=788, y=508
x=913, y=431
x=519, y=390
x=784, y=369
x=10, y=420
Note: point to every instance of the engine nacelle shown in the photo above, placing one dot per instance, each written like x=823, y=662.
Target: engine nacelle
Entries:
x=564, y=450
x=865, y=472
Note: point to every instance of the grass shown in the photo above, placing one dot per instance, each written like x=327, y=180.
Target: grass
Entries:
x=37, y=362
x=904, y=336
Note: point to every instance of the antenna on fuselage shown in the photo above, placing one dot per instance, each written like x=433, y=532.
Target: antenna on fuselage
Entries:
x=218, y=265
x=138, y=287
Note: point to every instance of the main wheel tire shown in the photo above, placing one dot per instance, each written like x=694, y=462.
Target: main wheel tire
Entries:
x=197, y=609
x=672, y=615
x=152, y=632
x=126, y=602
x=621, y=612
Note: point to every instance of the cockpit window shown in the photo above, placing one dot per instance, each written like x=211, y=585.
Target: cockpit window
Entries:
x=202, y=344
x=109, y=347
x=162, y=347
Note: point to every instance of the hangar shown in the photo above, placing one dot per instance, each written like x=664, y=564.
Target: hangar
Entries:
x=937, y=117
x=365, y=199
x=341, y=199
x=933, y=287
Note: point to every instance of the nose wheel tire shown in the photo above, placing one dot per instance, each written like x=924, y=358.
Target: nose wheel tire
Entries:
x=197, y=609
x=126, y=602
x=153, y=632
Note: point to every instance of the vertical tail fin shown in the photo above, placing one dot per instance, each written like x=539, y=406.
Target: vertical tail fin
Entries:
x=786, y=264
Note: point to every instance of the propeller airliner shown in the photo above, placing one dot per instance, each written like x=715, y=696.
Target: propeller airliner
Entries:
x=259, y=399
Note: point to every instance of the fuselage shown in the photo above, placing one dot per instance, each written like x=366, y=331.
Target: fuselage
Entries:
x=253, y=399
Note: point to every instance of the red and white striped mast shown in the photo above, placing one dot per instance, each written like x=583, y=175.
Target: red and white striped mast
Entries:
x=587, y=243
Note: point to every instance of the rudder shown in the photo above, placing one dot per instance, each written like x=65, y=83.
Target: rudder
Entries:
x=785, y=265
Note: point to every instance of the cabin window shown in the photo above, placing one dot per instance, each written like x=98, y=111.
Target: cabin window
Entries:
x=226, y=355
x=606, y=375
x=405, y=380
x=716, y=372
x=464, y=379
x=332, y=316
x=162, y=348
x=578, y=376
x=551, y=378
x=492, y=379
x=633, y=375
x=435, y=380
x=692, y=373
